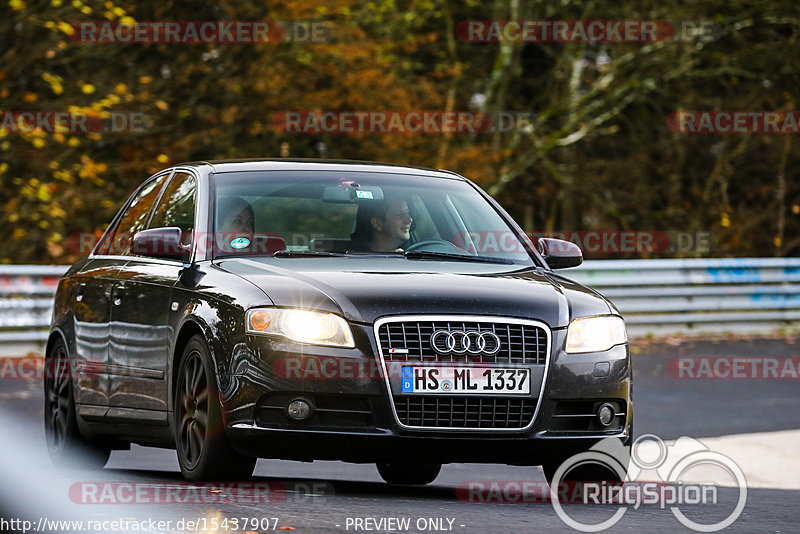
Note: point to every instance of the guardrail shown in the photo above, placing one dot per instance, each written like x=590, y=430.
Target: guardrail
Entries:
x=26, y=304
x=699, y=295
x=655, y=296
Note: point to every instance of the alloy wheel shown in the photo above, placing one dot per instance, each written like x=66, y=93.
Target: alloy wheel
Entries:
x=193, y=406
x=58, y=401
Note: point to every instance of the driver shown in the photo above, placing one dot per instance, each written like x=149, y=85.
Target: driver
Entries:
x=382, y=226
x=235, y=225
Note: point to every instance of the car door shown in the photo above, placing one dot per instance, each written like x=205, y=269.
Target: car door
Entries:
x=92, y=300
x=141, y=334
x=91, y=308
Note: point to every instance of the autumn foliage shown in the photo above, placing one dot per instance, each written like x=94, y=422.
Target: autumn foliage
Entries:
x=595, y=150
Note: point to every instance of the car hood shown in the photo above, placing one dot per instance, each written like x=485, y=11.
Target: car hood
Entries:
x=365, y=290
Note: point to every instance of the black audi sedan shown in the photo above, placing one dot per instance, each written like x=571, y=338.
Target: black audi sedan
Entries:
x=330, y=310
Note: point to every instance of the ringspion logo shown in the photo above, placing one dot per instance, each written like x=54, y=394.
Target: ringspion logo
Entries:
x=669, y=464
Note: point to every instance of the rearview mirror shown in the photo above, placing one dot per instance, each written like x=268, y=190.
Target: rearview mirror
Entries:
x=349, y=193
x=160, y=243
x=560, y=254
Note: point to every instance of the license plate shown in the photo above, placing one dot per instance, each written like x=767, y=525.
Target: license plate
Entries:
x=466, y=380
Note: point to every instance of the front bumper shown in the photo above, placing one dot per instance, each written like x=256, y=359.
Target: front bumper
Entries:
x=355, y=420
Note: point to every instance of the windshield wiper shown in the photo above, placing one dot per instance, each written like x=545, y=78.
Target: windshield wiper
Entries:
x=307, y=254
x=430, y=255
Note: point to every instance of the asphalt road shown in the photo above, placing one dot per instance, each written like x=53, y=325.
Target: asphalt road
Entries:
x=338, y=497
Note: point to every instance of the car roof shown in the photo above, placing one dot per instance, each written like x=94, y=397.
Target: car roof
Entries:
x=237, y=165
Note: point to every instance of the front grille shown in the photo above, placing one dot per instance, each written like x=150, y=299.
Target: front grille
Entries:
x=464, y=412
x=519, y=343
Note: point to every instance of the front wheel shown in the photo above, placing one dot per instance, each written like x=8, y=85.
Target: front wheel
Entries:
x=204, y=452
x=65, y=444
x=413, y=474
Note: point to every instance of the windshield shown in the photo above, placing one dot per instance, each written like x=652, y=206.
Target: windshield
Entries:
x=322, y=213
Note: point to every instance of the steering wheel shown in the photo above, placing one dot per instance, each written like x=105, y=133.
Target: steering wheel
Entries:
x=435, y=244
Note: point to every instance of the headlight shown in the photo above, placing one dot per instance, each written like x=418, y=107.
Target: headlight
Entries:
x=595, y=334
x=303, y=326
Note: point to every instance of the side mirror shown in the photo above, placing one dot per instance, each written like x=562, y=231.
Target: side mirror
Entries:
x=560, y=254
x=160, y=243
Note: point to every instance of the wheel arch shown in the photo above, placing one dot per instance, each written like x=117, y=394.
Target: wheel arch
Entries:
x=215, y=341
x=57, y=334
x=54, y=335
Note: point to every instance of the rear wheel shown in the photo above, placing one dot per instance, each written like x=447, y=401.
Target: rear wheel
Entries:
x=65, y=444
x=204, y=452
x=414, y=474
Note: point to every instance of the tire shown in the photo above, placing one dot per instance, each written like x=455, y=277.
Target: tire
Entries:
x=412, y=474
x=65, y=444
x=204, y=452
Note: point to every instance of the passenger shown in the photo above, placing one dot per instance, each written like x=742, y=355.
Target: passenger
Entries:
x=235, y=215
x=382, y=226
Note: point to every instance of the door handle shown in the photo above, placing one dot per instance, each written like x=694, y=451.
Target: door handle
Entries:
x=79, y=294
x=119, y=292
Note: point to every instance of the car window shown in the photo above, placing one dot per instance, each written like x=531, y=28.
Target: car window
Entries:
x=303, y=219
x=176, y=207
x=424, y=227
x=135, y=217
x=356, y=213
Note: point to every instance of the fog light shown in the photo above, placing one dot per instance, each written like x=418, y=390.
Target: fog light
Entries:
x=299, y=409
x=606, y=414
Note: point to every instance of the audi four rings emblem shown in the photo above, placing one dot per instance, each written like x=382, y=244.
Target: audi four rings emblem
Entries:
x=470, y=342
